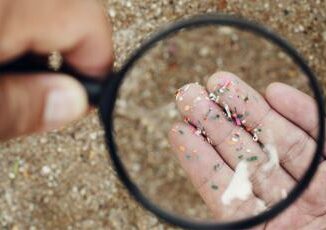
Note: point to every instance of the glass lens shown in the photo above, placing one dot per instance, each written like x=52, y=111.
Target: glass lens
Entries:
x=215, y=124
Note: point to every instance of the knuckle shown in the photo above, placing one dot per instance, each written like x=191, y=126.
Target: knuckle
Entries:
x=296, y=148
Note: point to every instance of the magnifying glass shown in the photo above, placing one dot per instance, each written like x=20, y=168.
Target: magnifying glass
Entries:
x=231, y=161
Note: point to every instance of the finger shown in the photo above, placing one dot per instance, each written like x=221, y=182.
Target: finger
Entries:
x=78, y=29
x=208, y=173
x=295, y=147
x=234, y=144
x=294, y=105
x=309, y=206
x=38, y=102
x=292, y=218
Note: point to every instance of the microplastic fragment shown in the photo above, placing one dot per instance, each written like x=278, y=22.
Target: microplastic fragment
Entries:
x=237, y=121
x=212, y=96
x=186, y=88
x=235, y=137
x=215, y=117
x=284, y=193
x=216, y=166
x=197, y=99
x=253, y=158
x=187, y=119
x=255, y=137
x=208, y=112
x=174, y=130
x=198, y=132
x=214, y=186
x=227, y=110
x=246, y=99
x=187, y=107
x=178, y=94
x=222, y=89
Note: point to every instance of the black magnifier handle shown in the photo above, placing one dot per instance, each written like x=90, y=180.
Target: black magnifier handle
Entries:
x=32, y=63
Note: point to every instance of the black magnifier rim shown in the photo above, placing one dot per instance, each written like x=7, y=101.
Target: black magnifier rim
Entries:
x=110, y=93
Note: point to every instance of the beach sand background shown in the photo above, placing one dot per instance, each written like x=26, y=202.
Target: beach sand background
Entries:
x=62, y=179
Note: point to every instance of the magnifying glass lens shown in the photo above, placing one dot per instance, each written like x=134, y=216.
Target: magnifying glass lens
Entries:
x=215, y=124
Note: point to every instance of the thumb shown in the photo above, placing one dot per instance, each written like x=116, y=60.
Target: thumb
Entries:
x=38, y=102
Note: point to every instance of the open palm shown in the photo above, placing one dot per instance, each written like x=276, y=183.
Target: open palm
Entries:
x=230, y=126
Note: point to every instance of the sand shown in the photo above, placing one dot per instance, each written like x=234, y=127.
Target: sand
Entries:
x=62, y=179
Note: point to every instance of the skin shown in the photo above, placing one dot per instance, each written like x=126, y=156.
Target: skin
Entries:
x=281, y=115
x=80, y=31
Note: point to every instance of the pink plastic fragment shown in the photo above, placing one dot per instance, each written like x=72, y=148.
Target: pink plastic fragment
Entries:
x=237, y=121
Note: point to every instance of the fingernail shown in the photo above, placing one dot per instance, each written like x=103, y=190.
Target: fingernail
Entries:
x=64, y=105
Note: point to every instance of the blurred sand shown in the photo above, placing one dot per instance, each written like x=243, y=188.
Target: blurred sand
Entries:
x=61, y=179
